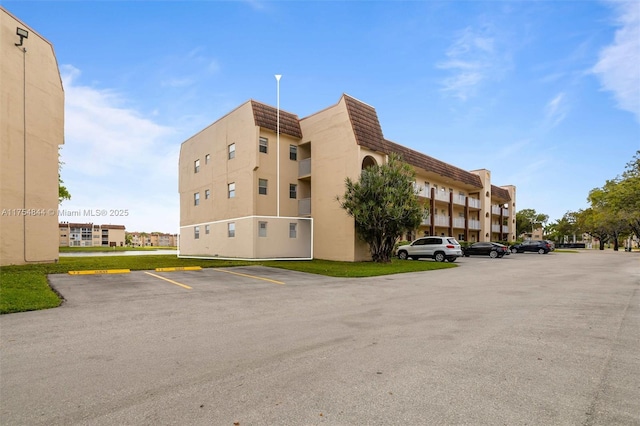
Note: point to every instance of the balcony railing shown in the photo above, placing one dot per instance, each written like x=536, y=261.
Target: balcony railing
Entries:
x=458, y=222
x=304, y=207
x=473, y=223
x=459, y=199
x=442, y=196
x=441, y=220
x=474, y=203
x=495, y=228
x=505, y=229
x=426, y=220
x=304, y=167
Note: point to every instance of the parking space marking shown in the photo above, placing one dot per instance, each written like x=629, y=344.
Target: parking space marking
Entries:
x=180, y=268
x=249, y=276
x=100, y=271
x=168, y=280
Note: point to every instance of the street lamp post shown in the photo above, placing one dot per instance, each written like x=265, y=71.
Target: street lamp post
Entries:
x=278, y=76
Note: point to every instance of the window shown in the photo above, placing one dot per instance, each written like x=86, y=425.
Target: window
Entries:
x=196, y=199
x=262, y=186
x=293, y=191
x=207, y=229
x=232, y=151
x=262, y=229
x=293, y=230
x=207, y=194
x=231, y=229
x=264, y=145
x=196, y=232
x=196, y=166
x=293, y=152
x=207, y=158
x=232, y=189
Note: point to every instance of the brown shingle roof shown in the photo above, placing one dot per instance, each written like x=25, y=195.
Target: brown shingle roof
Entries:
x=500, y=193
x=266, y=117
x=430, y=164
x=365, y=124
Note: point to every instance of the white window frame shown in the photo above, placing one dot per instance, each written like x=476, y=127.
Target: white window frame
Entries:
x=207, y=194
x=263, y=189
x=196, y=166
x=231, y=190
x=231, y=229
x=231, y=149
x=196, y=199
x=293, y=152
x=293, y=230
x=294, y=192
x=196, y=232
x=263, y=145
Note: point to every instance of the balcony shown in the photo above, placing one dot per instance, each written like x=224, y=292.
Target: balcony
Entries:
x=426, y=220
x=505, y=229
x=473, y=223
x=495, y=210
x=505, y=212
x=442, y=196
x=474, y=203
x=304, y=168
x=440, y=220
x=459, y=199
x=495, y=228
x=304, y=207
x=458, y=222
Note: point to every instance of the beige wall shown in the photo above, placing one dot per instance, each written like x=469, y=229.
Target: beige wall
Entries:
x=31, y=99
x=334, y=157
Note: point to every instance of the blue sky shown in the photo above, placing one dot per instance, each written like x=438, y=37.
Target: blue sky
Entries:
x=544, y=94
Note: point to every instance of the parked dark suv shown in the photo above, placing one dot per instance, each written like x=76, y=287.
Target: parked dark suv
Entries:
x=535, y=246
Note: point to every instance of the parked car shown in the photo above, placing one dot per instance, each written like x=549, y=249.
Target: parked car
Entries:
x=490, y=249
x=535, y=246
x=437, y=248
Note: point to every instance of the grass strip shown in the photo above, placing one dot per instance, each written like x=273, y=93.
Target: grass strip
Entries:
x=26, y=288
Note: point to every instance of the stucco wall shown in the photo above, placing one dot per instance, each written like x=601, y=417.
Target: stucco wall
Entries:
x=31, y=130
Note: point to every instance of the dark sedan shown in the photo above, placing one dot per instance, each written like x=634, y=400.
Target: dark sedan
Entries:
x=535, y=246
x=492, y=250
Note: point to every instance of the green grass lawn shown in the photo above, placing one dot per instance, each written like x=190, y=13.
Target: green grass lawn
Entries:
x=110, y=249
x=25, y=287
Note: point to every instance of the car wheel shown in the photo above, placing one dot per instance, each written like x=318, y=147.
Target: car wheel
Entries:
x=493, y=254
x=541, y=251
x=402, y=255
x=439, y=257
x=514, y=250
x=451, y=259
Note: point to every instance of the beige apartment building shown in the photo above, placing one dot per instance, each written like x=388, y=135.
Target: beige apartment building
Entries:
x=91, y=235
x=31, y=131
x=244, y=195
x=153, y=239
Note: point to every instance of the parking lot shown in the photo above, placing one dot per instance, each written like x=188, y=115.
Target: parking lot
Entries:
x=526, y=339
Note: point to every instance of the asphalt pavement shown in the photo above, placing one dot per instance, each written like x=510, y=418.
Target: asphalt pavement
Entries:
x=524, y=340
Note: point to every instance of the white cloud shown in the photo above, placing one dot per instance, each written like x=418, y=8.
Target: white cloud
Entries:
x=618, y=67
x=471, y=60
x=556, y=110
x=115, y=158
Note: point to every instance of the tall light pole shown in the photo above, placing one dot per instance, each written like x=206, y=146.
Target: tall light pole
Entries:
x=278, y=76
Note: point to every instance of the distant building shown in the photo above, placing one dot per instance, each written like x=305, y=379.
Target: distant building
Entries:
x=90, y=235
x=31, y=131
x=153, y=239
x=243, y=196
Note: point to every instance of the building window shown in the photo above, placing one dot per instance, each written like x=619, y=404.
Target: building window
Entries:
x=232, y=189
x=196, y=232
x=207, y=194
x=264, y=145
x=262, y=229
x=231, y=229
x=207, y=158
x=207, y=229
x=196, y=166
x=262, y=186
x=293, y=152
x=293, y=191
x=232, y=151
x=196, y=199
x=293, y=230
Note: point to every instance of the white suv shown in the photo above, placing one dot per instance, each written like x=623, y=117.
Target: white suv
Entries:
x=438, y=248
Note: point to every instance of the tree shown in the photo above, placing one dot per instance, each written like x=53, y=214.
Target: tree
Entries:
x=592, y=222
x=63, y=193
x=565, y=228
x=527, y=219
x=384, y=205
